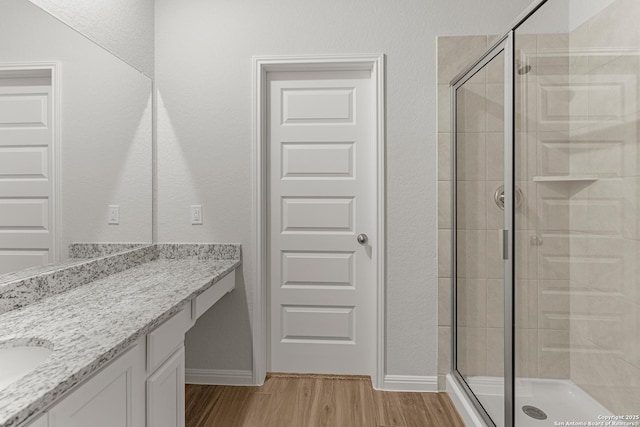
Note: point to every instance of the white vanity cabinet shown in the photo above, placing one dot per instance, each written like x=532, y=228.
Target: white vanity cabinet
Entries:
x=144, y=386
x=165, y=366
x=165, y=393
x=112, y=398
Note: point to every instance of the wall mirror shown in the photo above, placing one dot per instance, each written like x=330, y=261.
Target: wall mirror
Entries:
x=75, y=142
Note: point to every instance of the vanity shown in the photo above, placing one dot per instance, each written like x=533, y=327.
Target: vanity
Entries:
x=117, y=343
x=91, y=334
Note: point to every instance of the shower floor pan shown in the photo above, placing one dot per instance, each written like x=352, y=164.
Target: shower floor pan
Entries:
x=560, y=400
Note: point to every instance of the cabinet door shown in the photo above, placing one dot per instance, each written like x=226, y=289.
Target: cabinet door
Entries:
x=165, y=393
x=109, y=399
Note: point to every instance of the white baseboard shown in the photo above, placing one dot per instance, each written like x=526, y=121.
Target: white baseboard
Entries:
x=218, y=377
x=410, y=383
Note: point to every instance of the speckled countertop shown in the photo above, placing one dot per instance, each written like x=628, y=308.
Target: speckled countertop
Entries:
x=89, y=325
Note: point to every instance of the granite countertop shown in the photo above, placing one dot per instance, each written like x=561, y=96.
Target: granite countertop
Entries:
x=91, y=324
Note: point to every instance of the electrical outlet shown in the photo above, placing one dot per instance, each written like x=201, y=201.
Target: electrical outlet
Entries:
x=114, y=214
x=196, y=214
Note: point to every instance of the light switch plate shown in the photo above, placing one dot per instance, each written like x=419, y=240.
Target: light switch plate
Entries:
x=196, y=214
x=114, y=214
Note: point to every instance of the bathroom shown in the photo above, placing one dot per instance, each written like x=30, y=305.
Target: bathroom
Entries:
x=194, y=73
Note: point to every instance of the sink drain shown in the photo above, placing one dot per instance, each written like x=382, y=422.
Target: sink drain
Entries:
x=534, y=412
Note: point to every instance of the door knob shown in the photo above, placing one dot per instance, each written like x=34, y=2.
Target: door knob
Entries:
x=362, y=238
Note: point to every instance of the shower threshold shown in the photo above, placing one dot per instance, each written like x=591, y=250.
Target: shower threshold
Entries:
x=561, y=401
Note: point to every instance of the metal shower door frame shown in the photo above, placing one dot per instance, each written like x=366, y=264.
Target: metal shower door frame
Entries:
x=506, y=45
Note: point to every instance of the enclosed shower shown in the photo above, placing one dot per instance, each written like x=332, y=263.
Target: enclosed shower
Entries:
x=545, y=219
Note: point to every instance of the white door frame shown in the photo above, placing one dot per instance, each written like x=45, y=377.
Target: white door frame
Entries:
x=261, y=66
x=54, y=67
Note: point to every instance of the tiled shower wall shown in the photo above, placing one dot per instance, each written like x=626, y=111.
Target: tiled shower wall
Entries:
x=578, y=263
x=542, y=343
x=542, y=267
x=455, y=53
x=605, y=214
x=577, y=116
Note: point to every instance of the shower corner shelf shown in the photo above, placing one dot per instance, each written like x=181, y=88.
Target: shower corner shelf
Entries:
x=566, y=178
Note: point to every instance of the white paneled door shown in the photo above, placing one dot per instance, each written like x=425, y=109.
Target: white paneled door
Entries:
x=26, y=212
x=322, y=197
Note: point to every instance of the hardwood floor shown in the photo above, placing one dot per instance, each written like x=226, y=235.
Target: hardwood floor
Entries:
x=315, y=401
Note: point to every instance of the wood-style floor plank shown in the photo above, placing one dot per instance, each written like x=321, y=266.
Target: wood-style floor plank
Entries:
x=286, y=403
x=440, y=410
x=227, y=397
x=414, y=410
x=199, y=403
x=389, y=409
x=254, y=411
x=315, y=401
x=322, y=411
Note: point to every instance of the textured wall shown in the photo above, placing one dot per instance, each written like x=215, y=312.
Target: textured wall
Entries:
x=203, y=70
x=124, y=27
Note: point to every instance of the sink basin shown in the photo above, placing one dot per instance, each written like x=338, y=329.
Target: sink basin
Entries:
x=19, y=357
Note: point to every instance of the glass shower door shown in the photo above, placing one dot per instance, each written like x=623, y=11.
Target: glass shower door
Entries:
x=577, y=245
x=480, y=221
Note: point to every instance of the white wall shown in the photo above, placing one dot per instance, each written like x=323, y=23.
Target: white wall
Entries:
x=105, y=126
x=203, y=74
x=124, y=27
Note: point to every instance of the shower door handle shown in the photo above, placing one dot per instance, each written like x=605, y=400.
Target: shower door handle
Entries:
x=504, y=244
